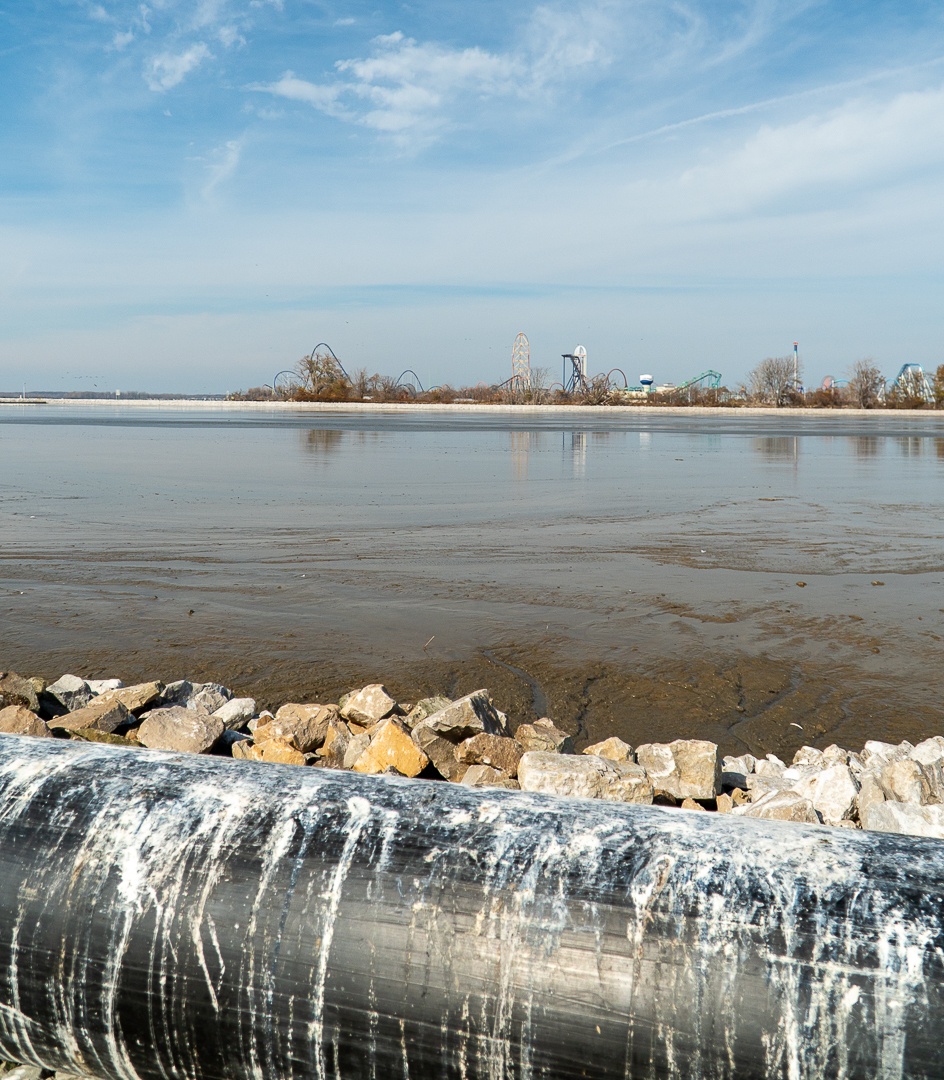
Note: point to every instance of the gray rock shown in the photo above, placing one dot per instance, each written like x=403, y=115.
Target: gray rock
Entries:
x=70, y=691
x=685, y=769
x=584, y=776
x=929, y=752
x=439, y=735
x=780, y=806
x=425, y=708
x=906, y=818
x=355, y=747
x=208, y=697
x=177, y=693
x=368, y=705
x=183, y=730
x=229, y=738
x=471, y=715
x=236, y=712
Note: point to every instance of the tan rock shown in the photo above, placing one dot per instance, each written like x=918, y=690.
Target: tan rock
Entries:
x=134, y=698
x=246, y=751
x=543, y=735
x=724, y=804
x=906, y=781
x=18, y=720
x=583, y=776
x=690, y=804
x=481, y=776
x=613, y=748
x=740, y=797
x=499, y=751
x=391, y=746
x=277, y=751
x=15, y=690
x=368, y=705
x=781, y=806
x=304, y=726
x=98, y=714
x=686, y=768
x=180, y=729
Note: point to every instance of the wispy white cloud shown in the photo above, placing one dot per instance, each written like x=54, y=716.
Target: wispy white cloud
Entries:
x=122, y=40
x=851, y=148
x=411, y=89
x=225, y=161
x=167, y=70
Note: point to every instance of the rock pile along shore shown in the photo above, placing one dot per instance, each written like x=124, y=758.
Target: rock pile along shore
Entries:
x=884, y=787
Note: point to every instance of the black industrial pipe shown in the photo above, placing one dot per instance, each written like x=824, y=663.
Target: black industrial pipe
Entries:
x=167, y=916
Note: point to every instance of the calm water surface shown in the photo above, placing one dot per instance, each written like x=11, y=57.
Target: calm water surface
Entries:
x=634, y=540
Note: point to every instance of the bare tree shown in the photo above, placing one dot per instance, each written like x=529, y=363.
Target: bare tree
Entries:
x=773, y=381
x=866, y=384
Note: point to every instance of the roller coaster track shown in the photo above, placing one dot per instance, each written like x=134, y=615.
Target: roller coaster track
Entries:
x=330, y=351
x=711, y=380
x=911, y=380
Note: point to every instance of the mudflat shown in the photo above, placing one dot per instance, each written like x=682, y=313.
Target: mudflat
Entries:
x=761, y=580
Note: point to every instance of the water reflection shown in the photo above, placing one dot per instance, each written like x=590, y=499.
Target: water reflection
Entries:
x=910, y=445
x=778, y=447
x=866, y=446
x=520, y=449
x=321, y=440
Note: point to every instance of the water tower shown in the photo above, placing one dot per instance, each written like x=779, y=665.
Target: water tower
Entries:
x=646, y=382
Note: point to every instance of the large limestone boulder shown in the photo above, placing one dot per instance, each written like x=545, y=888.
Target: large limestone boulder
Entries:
x=906, y=818
x=15, y=690
x=71, y=692
x=583, y=776
x=18, y=720
x=304, y=726
x=134, y=698
x=832, y=791
x=780, y=806
x=391, y=746
x=358, y=744
x=208, y=697
x=498, y=751
x=236, y=713
x=613, y=748
x=333, y=750
x=99, y=715
x=180, y=729
x=686, y=768
x=368, y=705
x=544, y=735
x=99, y=686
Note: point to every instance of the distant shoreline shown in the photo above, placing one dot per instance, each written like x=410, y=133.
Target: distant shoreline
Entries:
x=199, y=404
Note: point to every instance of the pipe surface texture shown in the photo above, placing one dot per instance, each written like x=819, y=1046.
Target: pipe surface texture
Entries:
x=169, y=916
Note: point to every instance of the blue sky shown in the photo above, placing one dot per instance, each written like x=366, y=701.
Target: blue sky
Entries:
x=192, y=194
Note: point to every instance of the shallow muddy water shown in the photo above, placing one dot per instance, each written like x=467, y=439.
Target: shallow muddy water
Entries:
x=631, y=572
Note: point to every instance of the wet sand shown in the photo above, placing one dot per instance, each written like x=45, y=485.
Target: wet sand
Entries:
x=664, y=613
